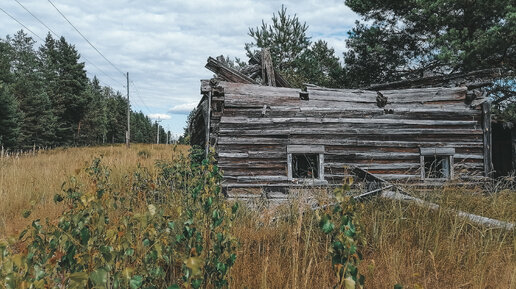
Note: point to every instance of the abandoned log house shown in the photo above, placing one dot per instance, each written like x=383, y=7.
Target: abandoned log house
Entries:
x=268, y=136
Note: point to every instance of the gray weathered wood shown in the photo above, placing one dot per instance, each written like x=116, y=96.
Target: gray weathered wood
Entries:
x=486, y=128
x=296, y=149
x=227, y=73
x=429, y=151
x=476, y=219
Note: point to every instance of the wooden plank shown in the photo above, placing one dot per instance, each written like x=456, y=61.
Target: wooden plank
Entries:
x=292, y=149
x=268, y=77
x=430, y=151
x=486, y=130
x=348, y=131
x=234, y=140
x=326, y=120
x=227, y=73
x=394, y=97
x=479, y=220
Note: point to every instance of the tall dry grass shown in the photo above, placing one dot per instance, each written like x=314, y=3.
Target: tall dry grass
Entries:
x=30, y=180
x=403, y=244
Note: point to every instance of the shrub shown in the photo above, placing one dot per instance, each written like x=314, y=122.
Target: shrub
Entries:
x=340, y=224
x=167, y=231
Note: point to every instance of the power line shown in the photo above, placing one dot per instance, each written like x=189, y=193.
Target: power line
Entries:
x=138, y=95
x=93, y=64
x=36, y=17
x=57, y=36
x=12, y=17
x=84, y=37
x=100, y=53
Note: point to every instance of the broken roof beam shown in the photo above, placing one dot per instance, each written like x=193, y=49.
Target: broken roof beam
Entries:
x=278, y=78
x=486, y=75
x=226, y=73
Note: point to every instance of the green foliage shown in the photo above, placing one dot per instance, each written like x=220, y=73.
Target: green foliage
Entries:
x=292, y=52
x=185, y=138
x=167, y=231
x=285, y=37
x=9, y=118
x=340, y=224
x=56, y=104
x=405, y=39
x=318, y=65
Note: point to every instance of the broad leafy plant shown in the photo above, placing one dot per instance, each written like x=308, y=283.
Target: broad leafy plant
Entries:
x=340, y=224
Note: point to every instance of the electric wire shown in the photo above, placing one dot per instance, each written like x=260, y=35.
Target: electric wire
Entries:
x=36, y=18
x=86, y=39
x=140, y=99
x=12, y=17
x=57, y=36
x=139, y=96
x=98, y=51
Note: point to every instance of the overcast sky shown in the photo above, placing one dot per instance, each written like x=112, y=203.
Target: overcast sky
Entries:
x=164, y=44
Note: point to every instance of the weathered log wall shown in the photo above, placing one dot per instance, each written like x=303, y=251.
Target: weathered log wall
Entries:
x=252, y=125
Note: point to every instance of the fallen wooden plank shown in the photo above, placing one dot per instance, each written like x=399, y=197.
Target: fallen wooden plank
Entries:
x=479, y=220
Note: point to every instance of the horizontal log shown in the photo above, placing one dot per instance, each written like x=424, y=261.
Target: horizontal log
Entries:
x=285, y=184
x=303, y=120
x=254, y=154
x=258, y=90
x=234, y=140
x=323, y=130
x=433, y=114
x=396, y=96
x=341, y=126
x=241, y=101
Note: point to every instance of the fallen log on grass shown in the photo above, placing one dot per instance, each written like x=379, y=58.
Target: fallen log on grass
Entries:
x=479, y=220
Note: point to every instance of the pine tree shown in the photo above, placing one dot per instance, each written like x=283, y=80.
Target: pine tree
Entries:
x=6, y=55
x=292, y=52
x=286, y=39
x=116, y=117
x=10, y=117
x=318, y=65
x=408, y=39
x=69, y=97
x=94, y=124
x=38, y=121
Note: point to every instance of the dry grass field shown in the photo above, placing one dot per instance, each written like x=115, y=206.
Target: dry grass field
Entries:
x=29, y=179
x=401, y=244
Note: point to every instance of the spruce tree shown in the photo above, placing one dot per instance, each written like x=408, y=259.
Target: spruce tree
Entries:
x=38, y=121
x=10, y=117
x=69, y=97
x=94, y=124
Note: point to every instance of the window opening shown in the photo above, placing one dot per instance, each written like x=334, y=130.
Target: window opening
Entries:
x=305, y=166
x=437, y=167
x=437, y=163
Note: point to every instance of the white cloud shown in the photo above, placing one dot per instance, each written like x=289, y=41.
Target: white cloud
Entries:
x=159, y=116
x=184, y=108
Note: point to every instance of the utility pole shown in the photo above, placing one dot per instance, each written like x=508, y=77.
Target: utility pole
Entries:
x=128, y=132
x=157, y=125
